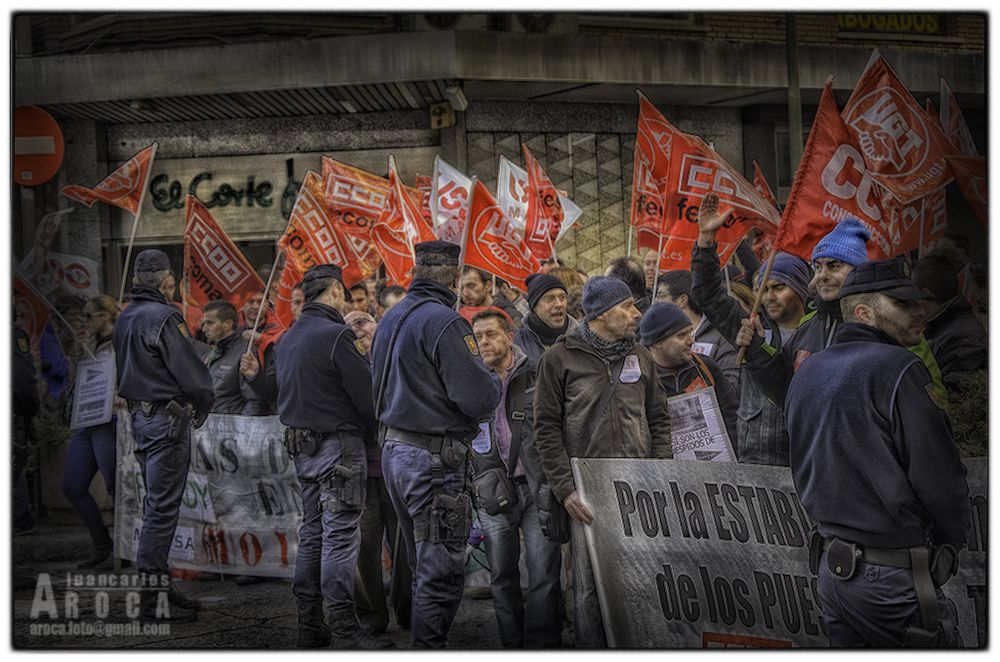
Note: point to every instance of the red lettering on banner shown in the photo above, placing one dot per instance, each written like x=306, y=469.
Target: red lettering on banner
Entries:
x=248, y=542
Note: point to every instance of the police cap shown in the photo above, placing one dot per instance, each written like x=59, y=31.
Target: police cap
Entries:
x=151, y=260
x=436, y=253
x=323, y=271
x=889, y=277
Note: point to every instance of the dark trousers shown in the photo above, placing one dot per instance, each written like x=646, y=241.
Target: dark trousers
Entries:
x=438, y=568
x=91, y=450
x=377, y=520
x=327, y=558
x=873, y=608
x=537, y=622
x=164, y=463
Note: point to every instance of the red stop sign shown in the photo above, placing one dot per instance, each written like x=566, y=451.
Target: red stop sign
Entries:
x=38, y=146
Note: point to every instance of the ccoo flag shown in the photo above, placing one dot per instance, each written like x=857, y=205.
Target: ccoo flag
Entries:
x=123, y=188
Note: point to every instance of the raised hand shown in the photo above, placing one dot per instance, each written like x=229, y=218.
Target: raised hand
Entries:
x=709, y=218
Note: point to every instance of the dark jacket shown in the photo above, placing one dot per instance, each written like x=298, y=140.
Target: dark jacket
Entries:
x=501, y=302
x=520, y=390
x=959, y=342
x=873, y=458
x=324, y=383
x=435, y=384
x=231, y=389
x=571, y=378
x=761, y=437
x=264, y=386
x=683, y=380
x=156, y=361
x=25, y=390
x=716, y=347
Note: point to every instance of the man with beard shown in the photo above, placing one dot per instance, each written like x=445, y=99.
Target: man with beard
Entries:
x=547, y=319
x=875, y=466
x=232, y=391
x=579, y=412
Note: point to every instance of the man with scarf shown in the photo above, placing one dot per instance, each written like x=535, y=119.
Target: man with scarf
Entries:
x=547, y=318
x=325, y=400
x=597, y=395
x=167, y=387
x=875, y=466
x=432, y=397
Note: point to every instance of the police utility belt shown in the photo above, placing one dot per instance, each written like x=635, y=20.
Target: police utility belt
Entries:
x=931, y=568
x=342, y=489
x=181, y=414
x=448, y=518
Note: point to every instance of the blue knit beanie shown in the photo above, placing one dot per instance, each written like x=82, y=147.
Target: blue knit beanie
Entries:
x=602, y=293
x=792, y=271
x=845, y=242
x=661, y=320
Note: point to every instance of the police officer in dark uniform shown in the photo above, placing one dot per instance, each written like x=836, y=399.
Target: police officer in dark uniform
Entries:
x=876, y=467
x=431, y=394
x=167, y=388
x=325, y=399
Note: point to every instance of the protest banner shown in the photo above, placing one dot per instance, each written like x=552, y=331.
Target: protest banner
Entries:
x=697, y=429
x=242, y=504
x=93, y=391
x=51, y=272
x=708, y=554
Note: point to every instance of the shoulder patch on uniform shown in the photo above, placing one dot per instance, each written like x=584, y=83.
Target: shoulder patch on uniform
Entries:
x=22, y=344
x=182, y=327
x=934, y=395
x=470, y=342
x=358, y=345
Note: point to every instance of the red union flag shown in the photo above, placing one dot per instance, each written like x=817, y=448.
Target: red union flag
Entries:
x=904, y=149
x=650, y=171
x=402, y=211
x=449, y=201
x=491, y=243
x=695, y=171
x=424, y=184
x=396, y=253
x=913, y=225
x=953, y=122
x=760, y=183
x=122, y=188
x=831, y=184
x=544, y=217
x=214, y=268
x=355, y=197
x=971, y=175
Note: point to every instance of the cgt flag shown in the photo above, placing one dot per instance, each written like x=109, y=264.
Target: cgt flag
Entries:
x=492, y=245
x=449, y=201
x=123, y=188
x=904, y=148
x=831, y=184
x=544, y=216
x=214, y=268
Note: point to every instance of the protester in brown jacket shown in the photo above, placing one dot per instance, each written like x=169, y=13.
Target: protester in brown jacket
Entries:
x=600, y=360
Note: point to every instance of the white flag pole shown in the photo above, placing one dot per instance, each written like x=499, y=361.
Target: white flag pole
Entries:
x=135, y=224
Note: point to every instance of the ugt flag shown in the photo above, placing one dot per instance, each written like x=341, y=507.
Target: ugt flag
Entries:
x=449, y=201
x=904, y=148
x=214, y=267
x=491, y=243
x=122, y=188
x=544, y=217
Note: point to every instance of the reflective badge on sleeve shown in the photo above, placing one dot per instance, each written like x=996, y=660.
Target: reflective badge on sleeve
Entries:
x=470, y=342
x=182, y=327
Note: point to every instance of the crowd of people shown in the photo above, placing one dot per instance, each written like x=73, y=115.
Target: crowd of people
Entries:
x=408, y=409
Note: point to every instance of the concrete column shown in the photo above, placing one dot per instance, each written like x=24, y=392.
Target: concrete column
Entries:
x=84, y=164
x=453, y=143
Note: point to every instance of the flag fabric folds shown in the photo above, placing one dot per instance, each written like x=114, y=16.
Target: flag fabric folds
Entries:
x=122, y=188
x=491, y=244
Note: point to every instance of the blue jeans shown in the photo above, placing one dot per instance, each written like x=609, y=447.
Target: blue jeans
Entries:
x=327, y=557
x=91, y=450
x=164, y=463
x=873, y=608
x=438, y=568
x=537, y=623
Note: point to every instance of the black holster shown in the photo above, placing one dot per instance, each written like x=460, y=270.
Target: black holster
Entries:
x=299, y=441
x=842, y=558
x=345, y=489
x=180, y=418
x=450, y=518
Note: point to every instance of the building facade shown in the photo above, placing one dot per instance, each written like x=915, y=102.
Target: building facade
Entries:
x=242, y=105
